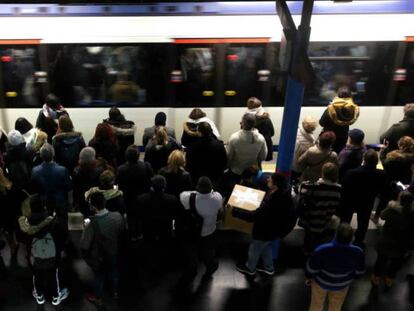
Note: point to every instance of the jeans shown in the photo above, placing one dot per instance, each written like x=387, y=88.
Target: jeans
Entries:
x=111, y=269
x=335, y=298
x=260, y=249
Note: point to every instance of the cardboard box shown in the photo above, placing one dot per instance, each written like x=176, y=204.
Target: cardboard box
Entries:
x=247, y=199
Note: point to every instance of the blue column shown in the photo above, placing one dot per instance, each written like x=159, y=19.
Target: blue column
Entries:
x=291, y=114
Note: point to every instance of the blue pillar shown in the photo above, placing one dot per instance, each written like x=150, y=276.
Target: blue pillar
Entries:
x=291, y=114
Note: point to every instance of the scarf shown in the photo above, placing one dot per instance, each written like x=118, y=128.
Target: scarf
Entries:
x=52, y=113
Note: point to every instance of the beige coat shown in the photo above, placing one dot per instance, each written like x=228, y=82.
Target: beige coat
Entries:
x=313, y=159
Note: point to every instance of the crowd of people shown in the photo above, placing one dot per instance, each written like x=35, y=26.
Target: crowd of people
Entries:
x=179, y=189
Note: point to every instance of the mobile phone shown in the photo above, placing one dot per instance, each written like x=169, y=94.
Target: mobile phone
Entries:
x=86, y=221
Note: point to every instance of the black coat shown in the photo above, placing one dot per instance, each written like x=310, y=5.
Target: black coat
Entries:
x=265, y=127
x=18, y=163
x=403, y=128
x=125, y=133
x=206, y=157
x=67, y=148
x=105, y=149
x=177, y=182
x=83, y=179
x=157, y=155
x=341, y=132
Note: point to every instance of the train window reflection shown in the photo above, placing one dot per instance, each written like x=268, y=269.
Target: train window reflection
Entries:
x=196, y=87
x=108, y=75
x=20, y=86
x=405, y=78
x=242, y=78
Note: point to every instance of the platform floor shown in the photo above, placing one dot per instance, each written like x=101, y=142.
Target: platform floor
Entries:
x=148, y=282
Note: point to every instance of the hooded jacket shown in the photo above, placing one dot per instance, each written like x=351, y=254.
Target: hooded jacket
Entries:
x=67, y=148
x=114, y=199
x=304, y=141
x=125, y=133
x=190, y=134
x=336, y=119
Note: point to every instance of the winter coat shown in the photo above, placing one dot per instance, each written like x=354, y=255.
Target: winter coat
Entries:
x=312, y=160
x=48, y=124
x=157, y=155
x=265, y=127
x=397, y=165
x=177, y=182
x=245, y=148
x=206, y=157
x=190, y=134
x=397, y=231
x=105, y=149
x=67, y=148
x=114, y=199
x=17, y=161
x=125, y=133
x=403, y=128
x=149, y=133
x=304, y=141
x=334, y=120
x=349, y=158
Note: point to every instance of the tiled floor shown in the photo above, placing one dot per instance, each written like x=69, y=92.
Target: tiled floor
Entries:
x=148, y=282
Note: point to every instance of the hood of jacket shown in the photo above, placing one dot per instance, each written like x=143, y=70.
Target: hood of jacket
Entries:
x=121, y=127
x=108, y=194
x=336, y=111
x=68, y=138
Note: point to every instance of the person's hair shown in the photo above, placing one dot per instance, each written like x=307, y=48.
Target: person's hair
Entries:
x=248, y=122
x=132, y=154
x=22, y=125
x=161, y=136
x=406, y=144
x=344, y=92
x=280, y=181
x=250, y=172
x=406, y=200
x=176, y=161
x=65, y=124
x=409, y=110
x=52, y=101
x=196, y=114
x=204, y=185
x=158, y=183
x=160, y=119
x=371, y=158
x=327, y=139
x=205, y=129
x=115, y=114
x=344, y=233
x=104, y=132
x=106, y=180
x=253, y=103
x=330, y=172
x=47, y=152
x=309, y=124
x=97, y=200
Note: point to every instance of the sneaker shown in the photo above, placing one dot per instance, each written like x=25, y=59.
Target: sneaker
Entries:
x=94, y=300
x=266, y=271
x=243, y=269
x=375, y=280
x=40, y=299
x=63, y=294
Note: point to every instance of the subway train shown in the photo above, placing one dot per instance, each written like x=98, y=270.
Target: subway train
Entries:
x=175, y=56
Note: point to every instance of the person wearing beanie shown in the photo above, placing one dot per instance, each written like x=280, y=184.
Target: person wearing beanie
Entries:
x=160, y=120
x=312, y=160
x=67, y=143
x=52, y=181
x=124, y=131
x=207, y=203
x=133, y=179
x=114, y=198
x=338, y=116
x=34, y=137
x=158, y=209
x=85, y=176
x=263, y=123
x=351, y=156
x=272, y=221
x=48, y=117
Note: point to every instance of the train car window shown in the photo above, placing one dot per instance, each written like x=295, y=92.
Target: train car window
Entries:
x=365, y=67
x=245, y=74
x=132, y=75
x=194, y=76
x=404, y=77
x=21, y=76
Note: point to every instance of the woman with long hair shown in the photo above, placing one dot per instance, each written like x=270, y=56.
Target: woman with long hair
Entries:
x=105, y=143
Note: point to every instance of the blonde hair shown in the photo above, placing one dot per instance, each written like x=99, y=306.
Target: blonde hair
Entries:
x=176, y=161
x=161, y=136
x=309, y=124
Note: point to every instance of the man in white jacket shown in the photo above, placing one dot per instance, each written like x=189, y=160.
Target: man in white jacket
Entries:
x=246, y=147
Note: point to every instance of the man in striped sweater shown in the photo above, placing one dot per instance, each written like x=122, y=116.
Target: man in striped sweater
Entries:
x=332, y=268
x=319, y=201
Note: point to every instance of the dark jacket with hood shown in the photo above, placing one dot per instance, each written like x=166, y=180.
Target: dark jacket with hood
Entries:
x=18, y=165
x=349, y=158
x=336, y=119
x=67, y=148
x=105, y=149
x=403, y=128
x=177, y=182
x=125, y=133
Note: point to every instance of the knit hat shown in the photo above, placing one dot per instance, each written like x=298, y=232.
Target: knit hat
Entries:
x=107, y=178
x=357, y=136
x=160, y=118
x=87, y=155
x=47, y=152
x=22, y=125
x=15, y=138
x=204, y=185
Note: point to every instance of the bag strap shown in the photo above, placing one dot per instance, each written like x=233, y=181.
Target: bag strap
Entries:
x=323, y=160
x=192, y=204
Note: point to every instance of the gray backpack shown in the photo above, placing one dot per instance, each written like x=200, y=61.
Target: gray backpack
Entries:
x=43, y=253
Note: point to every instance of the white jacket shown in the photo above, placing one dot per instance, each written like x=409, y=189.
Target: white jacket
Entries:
x=304, y=141
x=245, y=149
